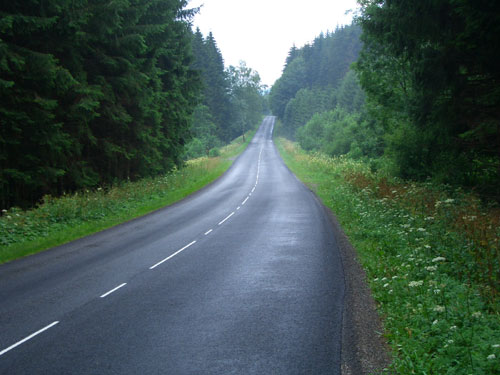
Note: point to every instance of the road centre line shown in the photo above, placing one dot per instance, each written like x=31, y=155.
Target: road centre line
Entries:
x=208, y=232
x=231, y=214
x=245, y=201
x=173, y=255
x=253, y=189
x=113, y=290
x=28, y=338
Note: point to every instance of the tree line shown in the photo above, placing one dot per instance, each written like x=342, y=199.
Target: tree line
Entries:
x=231, y=100
x=413, y=87
x=96, y=92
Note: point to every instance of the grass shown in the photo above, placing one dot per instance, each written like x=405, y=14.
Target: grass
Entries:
x=431, y=255
x=59, y=220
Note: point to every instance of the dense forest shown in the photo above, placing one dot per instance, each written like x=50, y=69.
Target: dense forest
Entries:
x=421, y=99
x=97, y=92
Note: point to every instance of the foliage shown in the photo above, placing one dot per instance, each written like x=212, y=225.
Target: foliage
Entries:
x=91, y=92
x=432, y=258
x=232, y=100
x=429, y=69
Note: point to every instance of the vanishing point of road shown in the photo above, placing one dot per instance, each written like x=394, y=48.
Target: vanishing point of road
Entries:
x=242, y=277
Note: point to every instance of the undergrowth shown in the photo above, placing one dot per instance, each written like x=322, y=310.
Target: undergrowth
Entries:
x=59, y=220
x=432, y=260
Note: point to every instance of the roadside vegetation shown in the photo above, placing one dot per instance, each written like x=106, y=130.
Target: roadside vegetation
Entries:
x=432, y=257
x=57, y=220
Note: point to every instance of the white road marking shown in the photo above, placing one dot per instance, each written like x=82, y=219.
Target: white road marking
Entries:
x=253, y=189
x=208, y=232
x=28, y=338
x=231, y=214
x=173, y=255
x=238, y=207
x=113, y=290
x=245, y=201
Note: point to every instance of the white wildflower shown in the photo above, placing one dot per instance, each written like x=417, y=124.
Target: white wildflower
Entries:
x=438, y=259
x=491, y=356
x=476, y=314
x=4, y=211
x=386, y=285
x=431, y=268
x=450, y=341
x=449, y=200
x=427, y=246
x=421, y=229
x=435, y=322
x=495, y=346
x=439, y=308
x=415, y=283
x=453, y=328
x=437, y=291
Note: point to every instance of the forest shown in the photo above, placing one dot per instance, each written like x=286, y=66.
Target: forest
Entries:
x=93, y=93
x=413, y=87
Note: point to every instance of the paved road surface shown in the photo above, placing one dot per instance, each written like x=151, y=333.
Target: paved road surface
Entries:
x=243, y=277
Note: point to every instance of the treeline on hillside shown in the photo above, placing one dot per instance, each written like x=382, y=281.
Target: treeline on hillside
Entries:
x=231, y=102
x=91, y=92
x=422, y=100
x=319, y=100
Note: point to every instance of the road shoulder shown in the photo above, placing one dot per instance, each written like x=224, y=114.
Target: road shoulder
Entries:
x=364, y=349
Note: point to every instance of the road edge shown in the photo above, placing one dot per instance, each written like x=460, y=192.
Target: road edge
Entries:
x=364, y=349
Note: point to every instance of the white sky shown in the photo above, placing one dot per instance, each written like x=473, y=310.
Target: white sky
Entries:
x=261, y=32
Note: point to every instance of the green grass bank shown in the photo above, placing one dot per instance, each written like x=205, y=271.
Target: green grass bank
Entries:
x=432, y=260
x=59, y=220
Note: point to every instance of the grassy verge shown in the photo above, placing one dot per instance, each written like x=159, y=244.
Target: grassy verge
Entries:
x=60, y=220
x=432, y=260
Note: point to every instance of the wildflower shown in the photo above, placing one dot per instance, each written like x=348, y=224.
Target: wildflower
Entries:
x=394, y=277
x=9, y=217
x=428, y=218
x=375, y=279
x=437, y=291
x=438, y=259
x=431, y=268
x=449, y=200
x=491, y=356
x=495, y=346
x=4, y=211
x=390, y=291
x=415, y=283
x=421, y=229
x=427, y=246
x=476, y=314
x=453, y=328
x=386, y=285
x=435, y=322
x=450, y=341
x=439, y=308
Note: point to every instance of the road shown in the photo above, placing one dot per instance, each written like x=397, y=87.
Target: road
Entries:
x=243, y=277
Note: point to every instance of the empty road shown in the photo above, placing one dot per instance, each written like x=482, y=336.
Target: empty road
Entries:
x=243, y=277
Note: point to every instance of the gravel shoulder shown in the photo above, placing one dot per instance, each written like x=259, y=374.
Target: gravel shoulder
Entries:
x=364, y=349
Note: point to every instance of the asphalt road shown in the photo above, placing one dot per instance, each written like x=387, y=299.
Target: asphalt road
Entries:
x=243, y=277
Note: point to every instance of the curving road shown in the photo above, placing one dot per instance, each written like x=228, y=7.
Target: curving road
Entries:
x=243, y=277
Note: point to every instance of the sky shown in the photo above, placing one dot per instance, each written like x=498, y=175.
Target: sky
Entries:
x=261, y=32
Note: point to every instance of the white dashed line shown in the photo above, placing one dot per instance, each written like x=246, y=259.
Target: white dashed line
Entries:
x=231, y=214
x=113, y=290
x=28, y=338
x=245, y=201
x=238, y=207
x=208, y=232
x=173, y=255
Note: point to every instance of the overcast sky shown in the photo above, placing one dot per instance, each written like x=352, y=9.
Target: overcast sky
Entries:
x=261, y=32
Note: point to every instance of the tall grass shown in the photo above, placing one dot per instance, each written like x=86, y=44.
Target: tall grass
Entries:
x=432, y=261
x=59, y=220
